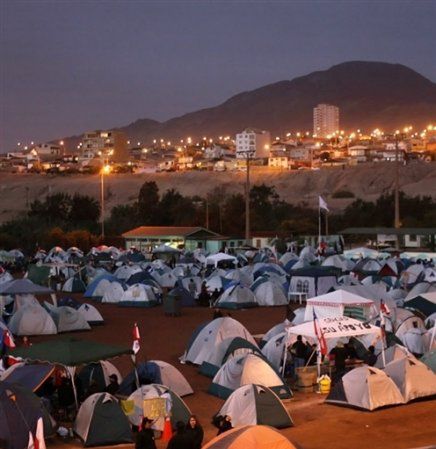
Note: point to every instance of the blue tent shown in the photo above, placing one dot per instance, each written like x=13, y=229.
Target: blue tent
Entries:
x=148, y=373
x=185, y=298
x=94, y=284
x=29, y=376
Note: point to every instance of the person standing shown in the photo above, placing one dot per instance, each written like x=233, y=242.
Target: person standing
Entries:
x=145, y=437
x=225, y=425
x=180, y=439
x=194, y=432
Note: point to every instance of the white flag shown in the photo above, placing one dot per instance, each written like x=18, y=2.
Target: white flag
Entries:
x=323, y=204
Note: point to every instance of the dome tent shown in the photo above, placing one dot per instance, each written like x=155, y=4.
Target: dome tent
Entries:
x=247, y=369
x=250, y=437
x=367, y=388
x=207, y=337
x=413, y=378
x=176, y=407
x=98, y=372
x=101, y=421
x=255, y=404
x=157, y=372
x=32, y=320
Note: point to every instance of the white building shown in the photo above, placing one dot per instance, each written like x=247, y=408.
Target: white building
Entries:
x=325, y=120
x=253, y=142
x=47, y=149
x=107, y=144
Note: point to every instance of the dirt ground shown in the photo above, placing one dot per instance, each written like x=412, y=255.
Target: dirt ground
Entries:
x=317, y=425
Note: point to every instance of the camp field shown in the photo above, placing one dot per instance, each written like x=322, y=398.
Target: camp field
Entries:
x=317, y=425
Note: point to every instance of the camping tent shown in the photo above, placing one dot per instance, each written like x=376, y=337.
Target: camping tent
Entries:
x=98, y=372
x=429, y=359
x=393, y=352
x=216, y=259
x=365, y=387
x=157, y=372
x=174, y=405
x=21, y=417
x=250, y=437
x=339, y=303
x=67, y=319
x=101, y=421
x=413, y=378
x=255, y=404
x=236, y=297
x=313, y=281
x=206, y=338
x=230, y=347
x=247, y=369
x=268, y=292
x=90, y=314
x=32, y=319
x=425, y=303
x=28, y=376
x=113, y=292
x=138, y=295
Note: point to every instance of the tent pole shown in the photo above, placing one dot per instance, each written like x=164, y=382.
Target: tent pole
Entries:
x=136, y=370
x=285, y=353
x=71, y=371
x=432, y=337
x=319, y=225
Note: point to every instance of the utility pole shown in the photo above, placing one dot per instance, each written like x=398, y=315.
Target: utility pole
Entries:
x=397, y=223
x=247, y=199
x=207, y=212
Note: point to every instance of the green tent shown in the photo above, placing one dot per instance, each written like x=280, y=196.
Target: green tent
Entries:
x=39, y=274
x=70, y=351
x=429, y=359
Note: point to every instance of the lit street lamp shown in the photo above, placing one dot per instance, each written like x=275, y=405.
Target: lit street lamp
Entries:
x=105, y=170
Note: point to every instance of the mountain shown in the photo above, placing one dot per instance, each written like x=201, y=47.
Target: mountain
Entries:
x=369, y=94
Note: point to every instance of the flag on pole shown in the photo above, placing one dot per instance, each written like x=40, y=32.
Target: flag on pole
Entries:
x=136, y=338
x=8, y=340
x=319, y=334
x=323, y=204
x=384, y=310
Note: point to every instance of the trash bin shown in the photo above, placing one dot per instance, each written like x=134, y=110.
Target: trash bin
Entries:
x=324, y=383
x=171, y=305
x=306, y=377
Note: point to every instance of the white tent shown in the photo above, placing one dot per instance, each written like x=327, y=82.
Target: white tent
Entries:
x=32, y=320
x=243, y=370
x=172, y=378
x=91, y=314
x=392, y=353
x=174, y=405
x=413, y=378
x=203, y=347
x=413, y=340
x=255, y=404
x=113, y=292
x=125, y=271
x=138, y=295
x=269, y=293
x=336, y=303
x=215, y=259
x=365, y=387
x=67, y=319
x=236, y=297
x=101, y=421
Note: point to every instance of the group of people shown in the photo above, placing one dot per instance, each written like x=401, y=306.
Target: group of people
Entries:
x=186, y=436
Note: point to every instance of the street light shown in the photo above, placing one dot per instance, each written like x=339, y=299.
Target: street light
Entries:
x=105, y=170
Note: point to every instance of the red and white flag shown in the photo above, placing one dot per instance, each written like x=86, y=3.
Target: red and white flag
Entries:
x=8, y=340
x=384, y=310
x=319, y=334
x=136, y=338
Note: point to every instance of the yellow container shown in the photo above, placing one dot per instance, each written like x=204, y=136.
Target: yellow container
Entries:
x=324, y=383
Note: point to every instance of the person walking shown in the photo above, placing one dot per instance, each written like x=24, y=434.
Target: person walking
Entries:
x=194, y=432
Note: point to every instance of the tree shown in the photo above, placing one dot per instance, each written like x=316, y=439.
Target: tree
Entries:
x=148, y=203
x=84, y=209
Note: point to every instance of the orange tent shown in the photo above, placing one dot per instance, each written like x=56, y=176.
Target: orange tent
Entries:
x=250, y=437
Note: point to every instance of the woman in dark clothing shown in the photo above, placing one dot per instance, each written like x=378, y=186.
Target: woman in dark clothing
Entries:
x=225, y=425
x=195, y=433
x=145, y=437
x=180, y=439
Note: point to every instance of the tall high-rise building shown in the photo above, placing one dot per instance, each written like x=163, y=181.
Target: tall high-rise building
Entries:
x=325, y=120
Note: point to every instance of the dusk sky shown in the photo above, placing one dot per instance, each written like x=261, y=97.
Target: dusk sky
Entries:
x=72, y=66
